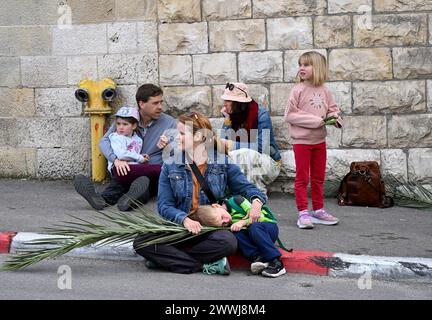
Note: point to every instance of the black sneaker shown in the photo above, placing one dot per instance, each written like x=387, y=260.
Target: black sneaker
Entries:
x=258, y=265
x=85, y=187
x=138, y=191
x=275, y=269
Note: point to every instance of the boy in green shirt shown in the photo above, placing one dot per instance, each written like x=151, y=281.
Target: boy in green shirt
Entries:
x=255, y=240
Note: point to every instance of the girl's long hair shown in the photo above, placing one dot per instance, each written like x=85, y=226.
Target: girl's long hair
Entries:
x=201, y=122
x=319, y=67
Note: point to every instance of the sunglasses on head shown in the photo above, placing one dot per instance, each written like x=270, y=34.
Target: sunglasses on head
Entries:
x=231, y=87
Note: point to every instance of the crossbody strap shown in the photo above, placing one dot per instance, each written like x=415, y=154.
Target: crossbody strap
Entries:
x=202, y=182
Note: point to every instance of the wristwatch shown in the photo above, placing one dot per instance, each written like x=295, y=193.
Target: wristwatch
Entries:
x=257, y=199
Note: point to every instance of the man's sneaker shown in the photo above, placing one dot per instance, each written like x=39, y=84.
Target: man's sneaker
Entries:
x=85, y=187
x=274, y=269
x=323, y=217
x=257, y=266
x=138, y=191
x=220, y=266
x=304, y=220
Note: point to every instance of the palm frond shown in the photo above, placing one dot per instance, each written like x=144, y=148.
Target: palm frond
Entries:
x=108, y=228
x=406, y=193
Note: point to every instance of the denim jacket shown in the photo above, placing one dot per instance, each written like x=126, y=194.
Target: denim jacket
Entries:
x=264, y=122
x=174, y=199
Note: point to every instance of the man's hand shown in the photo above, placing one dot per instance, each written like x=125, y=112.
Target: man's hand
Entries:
x=255, y=211
x=192, y=226
x=163, y=142
x=238, y=225
x=146, y=157
x=122, y=167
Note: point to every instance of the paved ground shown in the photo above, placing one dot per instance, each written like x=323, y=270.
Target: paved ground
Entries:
x=29, y=205
x=104, y=279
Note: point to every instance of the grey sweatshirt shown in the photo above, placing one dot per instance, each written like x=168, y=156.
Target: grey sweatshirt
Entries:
x=166, y=125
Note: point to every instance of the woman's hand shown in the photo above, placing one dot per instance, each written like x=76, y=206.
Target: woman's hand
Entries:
x=192, y=226
x=225, y=113
x=255, y=211
x=122, y=167
x=238, y=225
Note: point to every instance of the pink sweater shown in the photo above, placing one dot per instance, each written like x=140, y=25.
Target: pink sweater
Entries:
x=306, y=108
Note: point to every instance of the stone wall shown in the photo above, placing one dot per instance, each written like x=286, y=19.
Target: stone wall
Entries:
x=379, y=54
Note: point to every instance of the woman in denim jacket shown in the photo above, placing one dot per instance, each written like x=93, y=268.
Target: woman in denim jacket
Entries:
x=248, y=135
x=180, y=195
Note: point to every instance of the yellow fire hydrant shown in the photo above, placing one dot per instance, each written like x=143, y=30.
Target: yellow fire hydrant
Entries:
x=96, y=95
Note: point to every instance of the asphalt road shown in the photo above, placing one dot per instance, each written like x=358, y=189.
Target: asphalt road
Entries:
x=126, y=280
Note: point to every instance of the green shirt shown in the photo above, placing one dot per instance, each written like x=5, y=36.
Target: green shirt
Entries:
x=238, y=207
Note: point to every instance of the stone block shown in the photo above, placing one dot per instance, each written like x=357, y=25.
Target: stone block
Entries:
x=179, y=100
x=279, y=93
x=183, y=38
x=179, y=11
x=394, y=162
x=389, y=97
x=122, y=37
x=216, y=68
x=175, y=70
x=136, y=10
x=44, y=71
x=147, y=37
x=25, y=40
x=57, y=102
x=10, y=71
x=94, y=11
x=237, y=35
x=419, y=165
x=125, y=96
x=410, y=130
x=342, y=94
x=332, y=31
x=17, y=102
x=260, y=66
x=391, y=30
x=80, y=40
x=75, y=132
x=360, y=64
x=283, y=8
x=226, y=9
x=62, y=163
x=402, y=5
x=364, y=132
x=17, y=163
x=35, y=133
x=412, y=63
x=339, y=161
x=289, y=33
x=129, y=69
x=81, y=67
x=281, y=133
x=349, y=6
x=29, y=12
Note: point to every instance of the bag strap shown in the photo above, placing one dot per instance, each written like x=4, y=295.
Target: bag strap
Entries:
x=202, y=182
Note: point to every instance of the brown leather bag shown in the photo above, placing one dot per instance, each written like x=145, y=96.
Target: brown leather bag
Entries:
x=363, y=186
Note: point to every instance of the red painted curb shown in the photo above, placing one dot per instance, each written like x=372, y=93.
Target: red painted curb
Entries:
x=5, y=241
x=297, y=261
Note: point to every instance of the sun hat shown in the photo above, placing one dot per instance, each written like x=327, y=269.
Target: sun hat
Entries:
x=128, y=112
x=236, y=91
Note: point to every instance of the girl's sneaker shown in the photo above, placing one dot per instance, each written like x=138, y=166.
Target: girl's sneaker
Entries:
x=304, y=220
x=323, y=217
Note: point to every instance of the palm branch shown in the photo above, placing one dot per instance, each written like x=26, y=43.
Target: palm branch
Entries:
x=408, y=193
x=108, y=228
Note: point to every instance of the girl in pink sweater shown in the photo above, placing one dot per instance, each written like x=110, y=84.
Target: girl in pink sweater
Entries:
x=309, y=104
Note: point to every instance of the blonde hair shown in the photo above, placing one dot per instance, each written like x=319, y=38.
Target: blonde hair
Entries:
x=200, y=122
x=319, y=67
x=207, y=217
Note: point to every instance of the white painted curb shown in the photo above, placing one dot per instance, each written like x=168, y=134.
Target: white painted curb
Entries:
x=112, y=252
